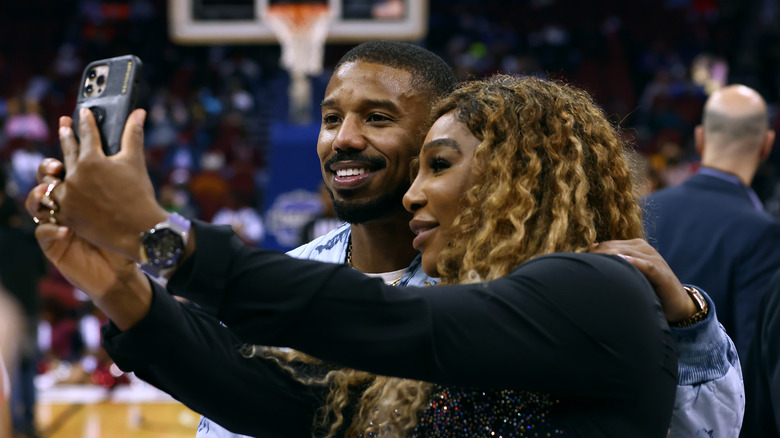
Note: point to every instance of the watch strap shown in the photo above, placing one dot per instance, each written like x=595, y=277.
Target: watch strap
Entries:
x=702, y=309
x=150, y=269
x=182, y=222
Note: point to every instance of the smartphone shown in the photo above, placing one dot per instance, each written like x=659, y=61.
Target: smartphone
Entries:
x=110, y=89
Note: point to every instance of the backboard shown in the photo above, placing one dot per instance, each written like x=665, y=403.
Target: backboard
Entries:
x=241, y=21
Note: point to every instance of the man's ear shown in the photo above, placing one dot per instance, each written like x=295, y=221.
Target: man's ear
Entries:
x=698, y=134
x=769, y=141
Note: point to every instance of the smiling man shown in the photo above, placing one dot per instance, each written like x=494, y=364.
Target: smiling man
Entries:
x=375, y=114
x=373, y=118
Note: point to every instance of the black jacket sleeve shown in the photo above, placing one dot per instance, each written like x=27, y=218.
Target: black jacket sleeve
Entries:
x=583, y=324
x=191, y=356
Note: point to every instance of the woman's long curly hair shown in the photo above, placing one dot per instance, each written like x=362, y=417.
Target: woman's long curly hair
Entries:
x=550, y=175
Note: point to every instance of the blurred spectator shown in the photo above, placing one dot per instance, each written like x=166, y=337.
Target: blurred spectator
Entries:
x=24, y=166
x=244, y=220
x=724, y=242
x=670, y=161
x=209, y=188
x=163, y=130
x=22, y=265
x=25, y=121
x=58, y=325
x=174, y=195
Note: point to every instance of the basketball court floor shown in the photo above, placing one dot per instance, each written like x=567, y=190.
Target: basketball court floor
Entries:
x=137, y=410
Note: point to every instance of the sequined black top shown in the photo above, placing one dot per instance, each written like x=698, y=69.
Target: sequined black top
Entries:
x=572, y=344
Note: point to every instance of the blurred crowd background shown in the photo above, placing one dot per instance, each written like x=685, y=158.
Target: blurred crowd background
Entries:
x=217, y=114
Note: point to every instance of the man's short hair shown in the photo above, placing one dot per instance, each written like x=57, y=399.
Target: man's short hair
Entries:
x=429, y=72
x=735, y=129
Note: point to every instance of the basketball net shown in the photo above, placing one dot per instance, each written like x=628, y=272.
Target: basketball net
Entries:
x=301, y=29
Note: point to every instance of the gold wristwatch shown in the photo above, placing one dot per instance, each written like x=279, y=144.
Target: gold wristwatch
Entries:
x=702, y=309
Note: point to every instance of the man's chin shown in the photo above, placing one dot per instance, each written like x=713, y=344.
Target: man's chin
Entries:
x=359, y=212
x=367, y=210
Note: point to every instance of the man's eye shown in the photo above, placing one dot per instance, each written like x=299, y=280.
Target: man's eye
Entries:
x=439, y=164
x=330, y=119
x=377, y=118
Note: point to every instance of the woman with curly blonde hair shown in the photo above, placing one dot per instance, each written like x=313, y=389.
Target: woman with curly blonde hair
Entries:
x=515, y=169
x=547, y=175
x=528, y=335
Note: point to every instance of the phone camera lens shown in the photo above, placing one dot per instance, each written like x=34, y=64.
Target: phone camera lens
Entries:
x=92, y=74
x=89, y=89
x=101, y=80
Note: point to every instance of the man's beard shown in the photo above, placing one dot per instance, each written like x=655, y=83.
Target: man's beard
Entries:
x=358, y=212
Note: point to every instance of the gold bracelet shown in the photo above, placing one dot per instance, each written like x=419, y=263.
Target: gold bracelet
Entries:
x=702, y=309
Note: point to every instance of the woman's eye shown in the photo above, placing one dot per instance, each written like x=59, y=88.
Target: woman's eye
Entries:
x=438, y=164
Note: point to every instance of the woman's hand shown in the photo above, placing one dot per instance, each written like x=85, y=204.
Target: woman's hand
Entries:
x=109, y=200
x=114, y=283
x=93, y=270
x=675, y=300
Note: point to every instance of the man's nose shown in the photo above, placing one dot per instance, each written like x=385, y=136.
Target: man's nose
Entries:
x=350, y=136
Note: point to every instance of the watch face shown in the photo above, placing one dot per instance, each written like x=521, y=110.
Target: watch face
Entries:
x=163, y=247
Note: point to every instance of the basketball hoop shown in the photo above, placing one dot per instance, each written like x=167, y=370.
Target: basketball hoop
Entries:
x=301, y=29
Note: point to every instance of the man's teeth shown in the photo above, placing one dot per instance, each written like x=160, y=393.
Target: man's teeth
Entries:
x=350, y=172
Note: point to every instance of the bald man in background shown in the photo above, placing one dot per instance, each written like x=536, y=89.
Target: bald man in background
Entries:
x=712, y=229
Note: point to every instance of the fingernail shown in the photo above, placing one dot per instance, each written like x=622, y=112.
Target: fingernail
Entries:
x=139, y=116
x=83, y=112
x=62, y=232
x=63, y=131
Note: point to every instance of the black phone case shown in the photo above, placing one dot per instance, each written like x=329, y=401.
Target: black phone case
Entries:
x=118, y=99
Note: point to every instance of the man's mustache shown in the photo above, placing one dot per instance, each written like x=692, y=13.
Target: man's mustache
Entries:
x=374, y=162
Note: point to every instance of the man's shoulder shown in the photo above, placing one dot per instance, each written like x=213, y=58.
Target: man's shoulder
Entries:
x=676, y=192
x=701, y=192
x=330, y=247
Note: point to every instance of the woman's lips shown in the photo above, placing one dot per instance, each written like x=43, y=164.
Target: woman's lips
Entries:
x=423, y=230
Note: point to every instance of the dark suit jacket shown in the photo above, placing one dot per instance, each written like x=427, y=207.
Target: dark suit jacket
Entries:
x=761, y=370
x=712, y=235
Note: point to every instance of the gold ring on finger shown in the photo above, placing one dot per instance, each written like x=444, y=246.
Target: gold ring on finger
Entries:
x=47, y=200
x=52, y=219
